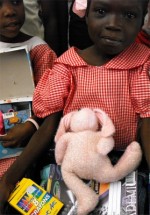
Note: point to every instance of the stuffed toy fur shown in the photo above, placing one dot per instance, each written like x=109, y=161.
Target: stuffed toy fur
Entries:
x=83, y=140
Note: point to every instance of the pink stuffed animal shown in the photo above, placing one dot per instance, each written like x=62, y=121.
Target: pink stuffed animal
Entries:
x=83, y=140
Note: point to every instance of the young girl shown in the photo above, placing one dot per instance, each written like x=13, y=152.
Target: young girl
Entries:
x=12, y=17
x=113, y=74
x=78, y=32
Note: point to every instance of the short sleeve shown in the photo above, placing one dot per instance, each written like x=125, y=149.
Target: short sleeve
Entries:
x=51, y=92
x=140, y=91
x=42, y=57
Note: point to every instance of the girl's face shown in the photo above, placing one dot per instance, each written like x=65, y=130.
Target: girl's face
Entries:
x=114, y=24
x=12, y=17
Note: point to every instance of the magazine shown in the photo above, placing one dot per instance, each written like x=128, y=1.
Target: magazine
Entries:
x=118, y=198
x=54, y=184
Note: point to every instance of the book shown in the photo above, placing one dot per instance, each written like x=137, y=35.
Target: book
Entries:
x=31, y=199
x=118, y=198
x=12, y=118
x=9, y=152
x=129, y=194
x=54, y=184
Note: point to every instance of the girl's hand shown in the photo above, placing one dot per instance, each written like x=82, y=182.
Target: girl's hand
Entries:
x=19, y=135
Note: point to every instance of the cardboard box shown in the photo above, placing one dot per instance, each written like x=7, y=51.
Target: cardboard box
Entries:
x=16, y=91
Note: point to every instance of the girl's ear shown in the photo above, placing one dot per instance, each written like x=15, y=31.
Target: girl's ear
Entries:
x=64, y=125
x=108, y=128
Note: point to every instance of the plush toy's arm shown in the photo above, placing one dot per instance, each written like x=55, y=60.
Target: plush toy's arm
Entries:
x=60, y=149
x=64, y=125
x=105, y=145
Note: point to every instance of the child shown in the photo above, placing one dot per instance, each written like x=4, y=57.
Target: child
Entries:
x=78, y=32
x=12, y=17
x=113, y=74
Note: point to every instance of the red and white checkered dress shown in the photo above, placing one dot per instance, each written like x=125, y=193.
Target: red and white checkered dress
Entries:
x=42, y=58
x=121, y=87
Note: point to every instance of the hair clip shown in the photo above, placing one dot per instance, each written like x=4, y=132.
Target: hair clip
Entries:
x=79, y=7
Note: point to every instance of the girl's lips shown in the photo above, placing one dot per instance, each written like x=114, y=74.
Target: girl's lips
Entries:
x=111, y=41
x=12, y=26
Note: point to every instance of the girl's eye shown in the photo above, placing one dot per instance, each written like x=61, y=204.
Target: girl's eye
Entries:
x=100, y=12
x=130, y=15
x=15, y=2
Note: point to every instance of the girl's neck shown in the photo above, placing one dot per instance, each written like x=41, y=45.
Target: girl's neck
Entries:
x=92, y=57
x=21, y=37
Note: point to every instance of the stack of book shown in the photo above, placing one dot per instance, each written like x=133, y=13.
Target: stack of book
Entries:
x=118, y=198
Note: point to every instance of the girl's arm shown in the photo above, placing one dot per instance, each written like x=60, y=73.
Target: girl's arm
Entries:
x=39, y=143
x=145, y=138
x=20, y=134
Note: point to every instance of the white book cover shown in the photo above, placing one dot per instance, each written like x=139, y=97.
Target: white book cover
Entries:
x=121, y=198
x=16, y=82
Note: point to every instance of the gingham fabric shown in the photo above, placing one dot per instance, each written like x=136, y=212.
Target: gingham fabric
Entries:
x=5, y=164
x=42, y=57
x=121, y=87
x=143, y=38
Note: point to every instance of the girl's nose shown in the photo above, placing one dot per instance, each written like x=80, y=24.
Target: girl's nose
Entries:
x=114, y=23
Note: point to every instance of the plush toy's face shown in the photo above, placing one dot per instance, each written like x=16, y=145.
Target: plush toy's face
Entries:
x=84, y=119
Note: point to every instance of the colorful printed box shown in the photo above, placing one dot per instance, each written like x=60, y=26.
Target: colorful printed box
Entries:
x=31, y=199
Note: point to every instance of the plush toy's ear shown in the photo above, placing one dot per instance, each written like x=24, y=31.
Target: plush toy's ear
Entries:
x=108, y=128
x=64, y=125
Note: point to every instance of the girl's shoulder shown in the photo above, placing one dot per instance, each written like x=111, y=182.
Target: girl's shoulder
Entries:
x=35, y=41
x=31, y=42
x=71, y=58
